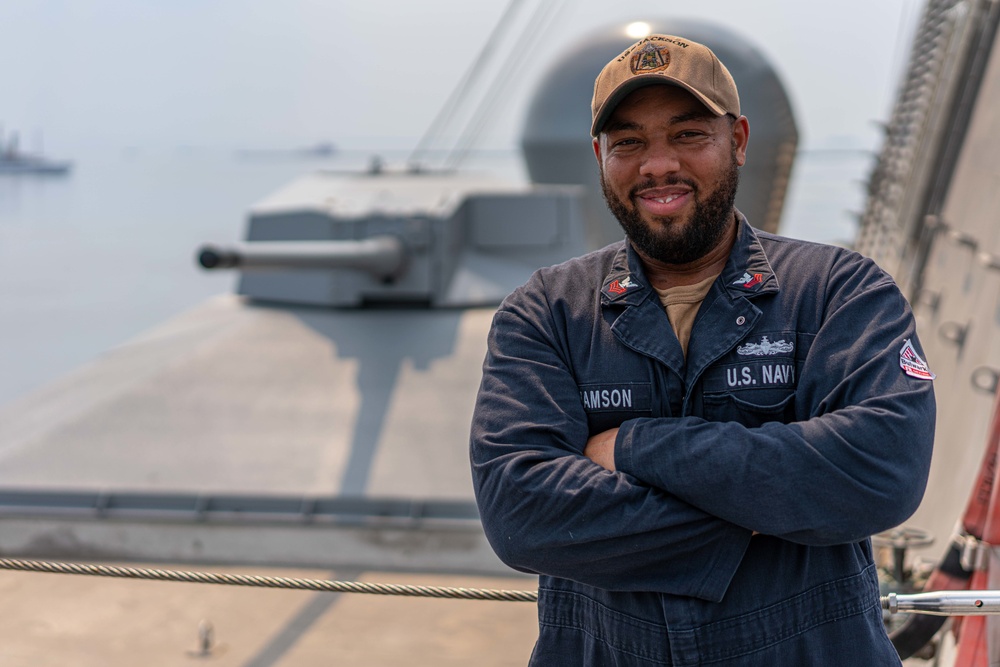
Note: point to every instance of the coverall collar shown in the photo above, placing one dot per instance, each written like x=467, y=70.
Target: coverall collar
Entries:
x=747, y=272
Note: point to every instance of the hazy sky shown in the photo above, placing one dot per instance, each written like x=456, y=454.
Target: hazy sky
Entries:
x=373, y=73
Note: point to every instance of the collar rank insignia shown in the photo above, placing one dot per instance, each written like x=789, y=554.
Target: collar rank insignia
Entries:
x=621, y=286
x=748, y=281
x=912, y=364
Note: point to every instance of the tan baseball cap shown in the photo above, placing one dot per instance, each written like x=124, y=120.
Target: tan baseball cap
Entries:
x=669, y=60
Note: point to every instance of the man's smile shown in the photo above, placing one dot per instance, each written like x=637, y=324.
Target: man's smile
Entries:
x=663, y=201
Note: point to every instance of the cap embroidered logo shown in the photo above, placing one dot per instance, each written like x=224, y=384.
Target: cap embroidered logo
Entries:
x=650, y=58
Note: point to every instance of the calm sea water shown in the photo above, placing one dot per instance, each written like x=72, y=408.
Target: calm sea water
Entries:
x=90, y=260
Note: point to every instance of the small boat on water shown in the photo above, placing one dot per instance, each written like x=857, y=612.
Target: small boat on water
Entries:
x=14, y=161
x=323, y=149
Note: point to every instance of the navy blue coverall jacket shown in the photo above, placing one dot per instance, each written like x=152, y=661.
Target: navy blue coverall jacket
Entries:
x=803, y=412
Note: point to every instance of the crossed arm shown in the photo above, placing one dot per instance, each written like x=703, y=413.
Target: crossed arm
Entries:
x=670, y=504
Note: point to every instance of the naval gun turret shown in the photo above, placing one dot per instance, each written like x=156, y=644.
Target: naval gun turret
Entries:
x=445, y=239
x=384, y=257
x=384, y=238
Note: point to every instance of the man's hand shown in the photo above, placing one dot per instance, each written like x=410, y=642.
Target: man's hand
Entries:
x=601, y=449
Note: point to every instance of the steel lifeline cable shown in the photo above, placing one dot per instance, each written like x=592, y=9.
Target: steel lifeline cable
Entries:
x=938, y=603
x=268, y=582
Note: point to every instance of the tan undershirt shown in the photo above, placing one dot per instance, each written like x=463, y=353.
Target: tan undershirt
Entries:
x=682, y=303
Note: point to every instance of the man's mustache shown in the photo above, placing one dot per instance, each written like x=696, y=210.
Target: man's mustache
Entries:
x=653, y=183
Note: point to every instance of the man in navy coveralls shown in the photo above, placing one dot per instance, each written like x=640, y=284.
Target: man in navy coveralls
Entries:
x=691, y=434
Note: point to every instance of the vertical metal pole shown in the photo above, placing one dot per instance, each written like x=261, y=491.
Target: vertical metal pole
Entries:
x=974, y=648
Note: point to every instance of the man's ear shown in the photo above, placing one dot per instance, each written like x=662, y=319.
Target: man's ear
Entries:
x=597, y=148
x=741, y=137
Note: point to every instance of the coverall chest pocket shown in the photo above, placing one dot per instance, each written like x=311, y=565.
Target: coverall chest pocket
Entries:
x=750, y=410
x=751, y=392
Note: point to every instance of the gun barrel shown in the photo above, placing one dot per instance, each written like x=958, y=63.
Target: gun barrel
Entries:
x=945, y=603
x=382, y=256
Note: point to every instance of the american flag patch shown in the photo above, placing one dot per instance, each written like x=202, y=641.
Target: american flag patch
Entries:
x=912, y=364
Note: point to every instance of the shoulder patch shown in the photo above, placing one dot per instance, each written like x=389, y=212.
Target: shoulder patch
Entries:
x=912, y=364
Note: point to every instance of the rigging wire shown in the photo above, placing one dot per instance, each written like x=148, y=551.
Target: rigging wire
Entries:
x=545, y=14
x=461, y=90
x=268, y=582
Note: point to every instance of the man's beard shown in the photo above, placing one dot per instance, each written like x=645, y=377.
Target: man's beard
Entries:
x=668, y=242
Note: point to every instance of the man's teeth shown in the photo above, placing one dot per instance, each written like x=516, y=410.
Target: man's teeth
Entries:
x=666, y=200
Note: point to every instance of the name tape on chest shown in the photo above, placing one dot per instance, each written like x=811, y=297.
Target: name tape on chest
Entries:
x=761, y=375
x=632, y=397
x=752, y=374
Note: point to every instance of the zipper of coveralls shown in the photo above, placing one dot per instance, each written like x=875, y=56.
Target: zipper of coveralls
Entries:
x=661, y=389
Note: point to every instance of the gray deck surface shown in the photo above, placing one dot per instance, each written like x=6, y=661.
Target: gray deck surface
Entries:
x=54, y=620
x=240, y=398
x=231, y=397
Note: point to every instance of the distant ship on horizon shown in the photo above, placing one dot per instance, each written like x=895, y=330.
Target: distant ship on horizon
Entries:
x=322, y=149
x=14, y=161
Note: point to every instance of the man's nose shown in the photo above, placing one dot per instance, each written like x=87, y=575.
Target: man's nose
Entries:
x=659, y=163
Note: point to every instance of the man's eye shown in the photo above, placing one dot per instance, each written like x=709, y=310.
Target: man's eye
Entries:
x=689, y=134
